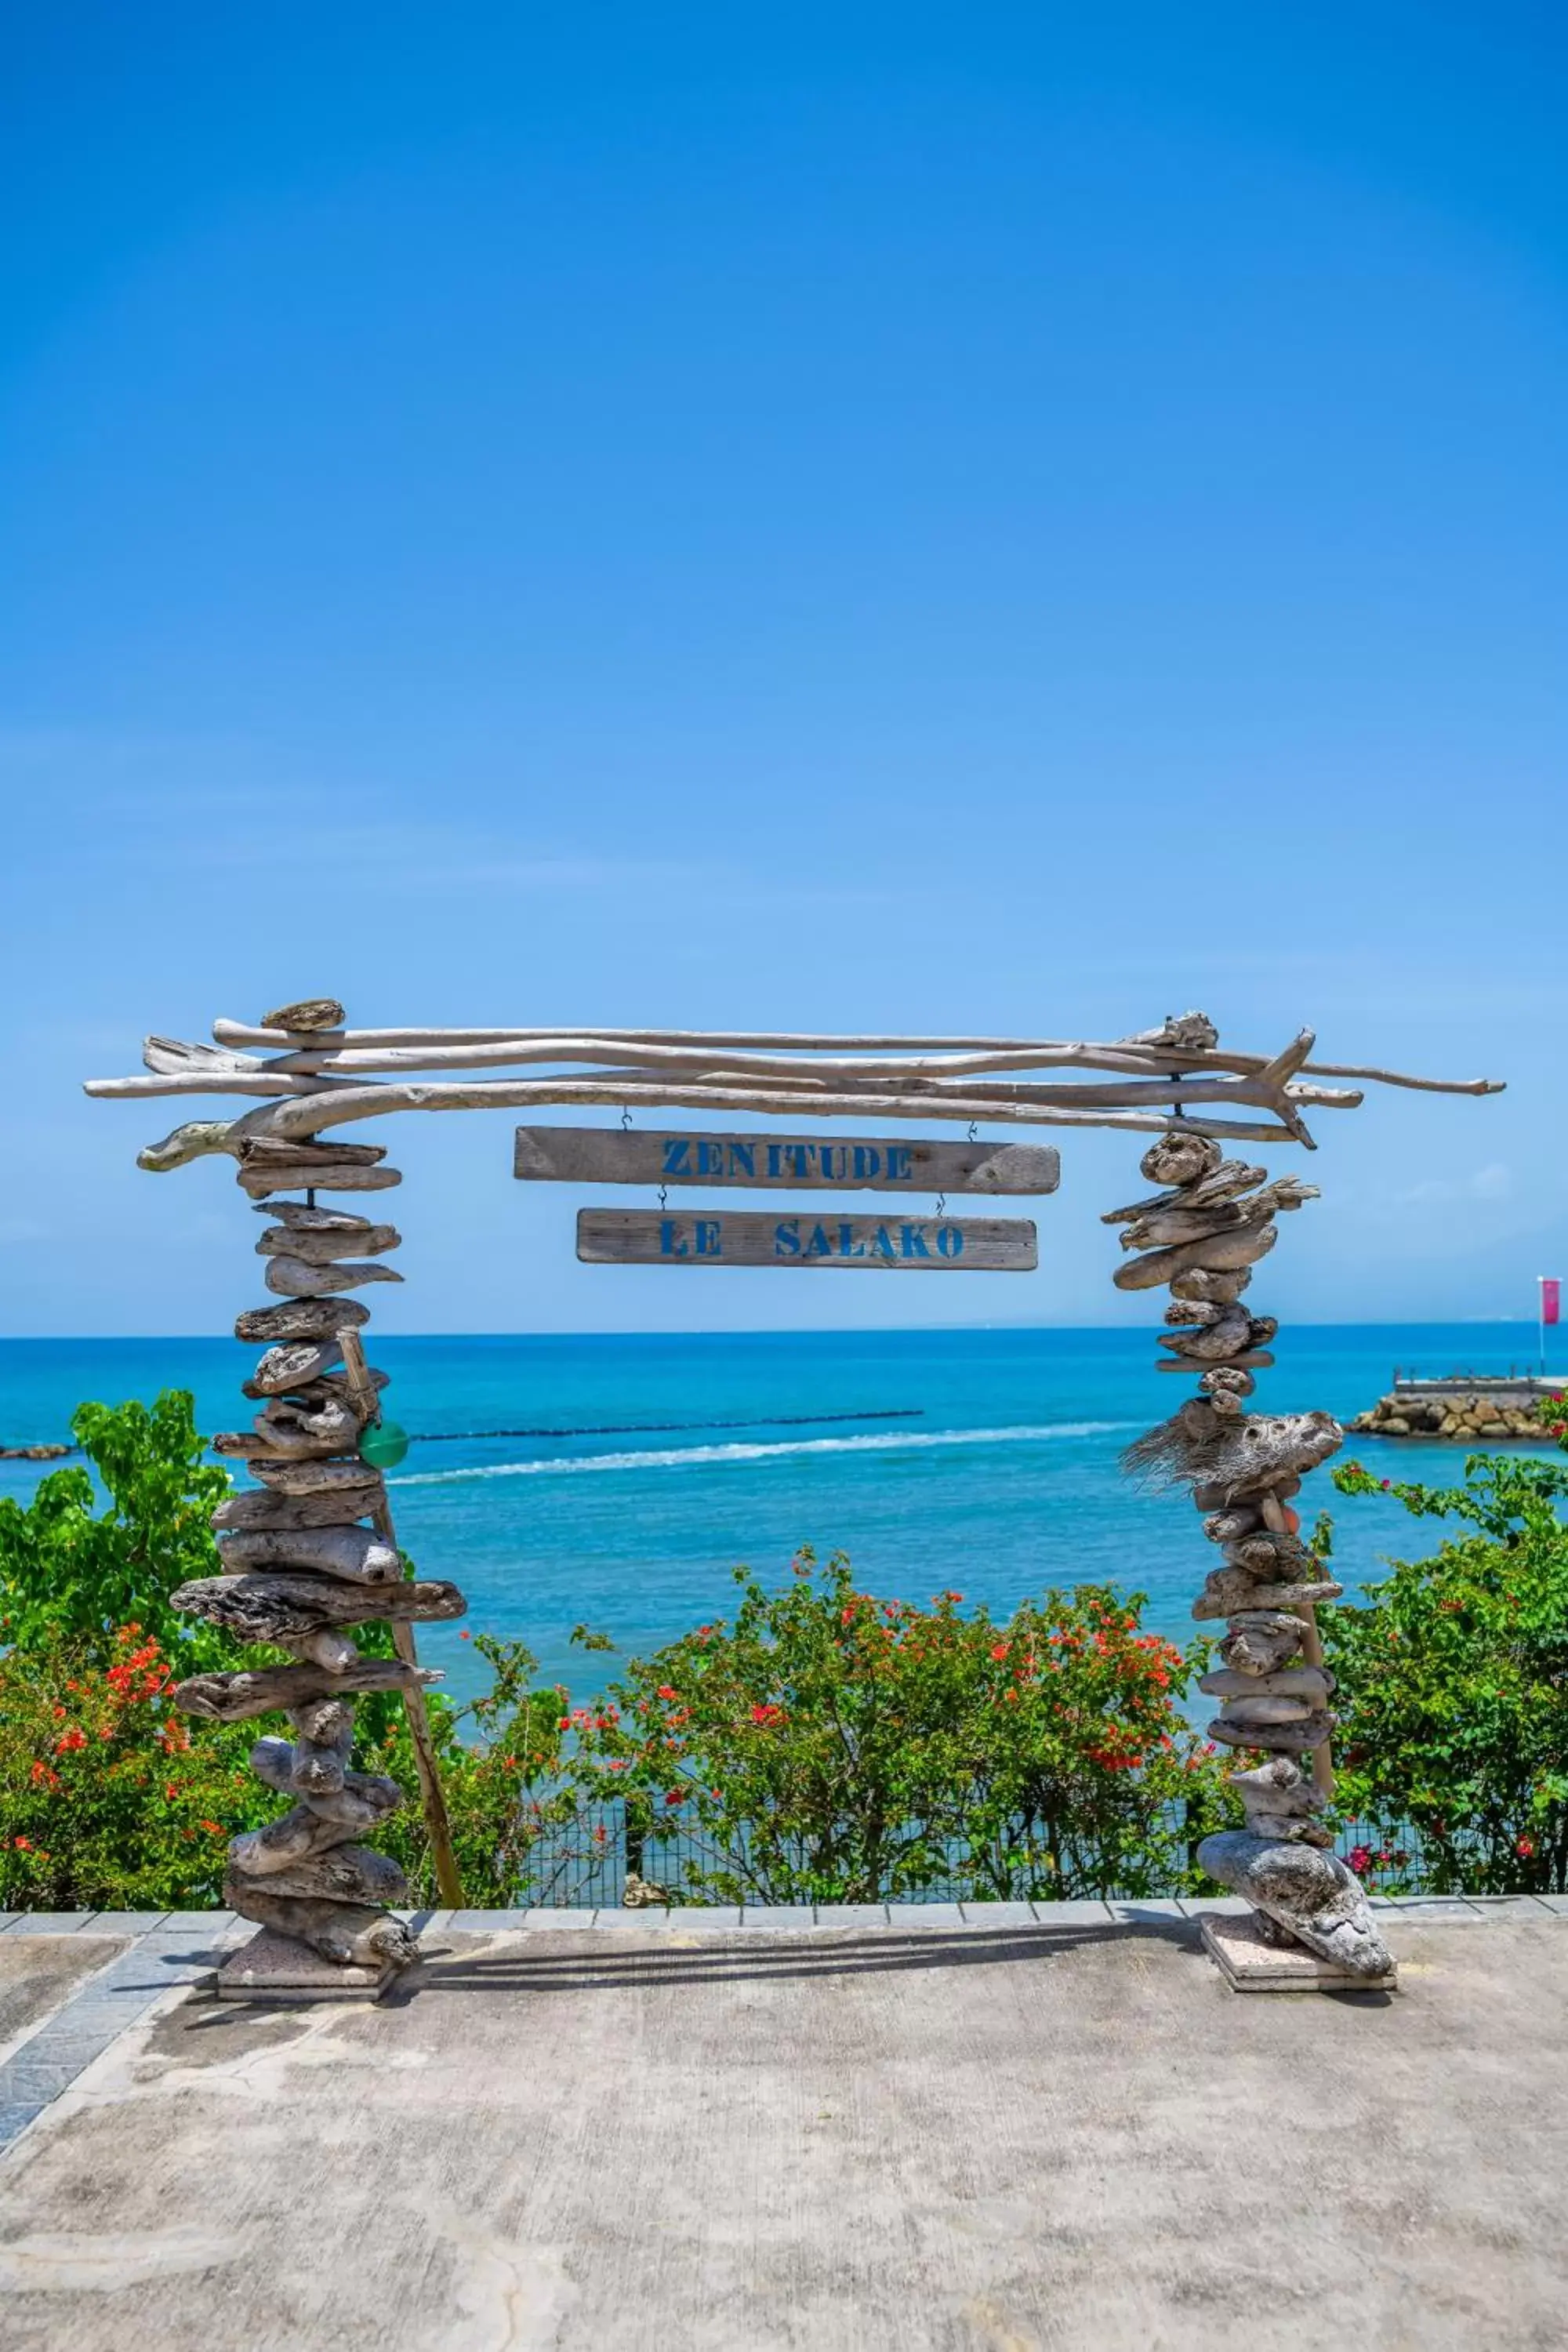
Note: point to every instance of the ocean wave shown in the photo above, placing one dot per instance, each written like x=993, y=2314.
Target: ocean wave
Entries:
x=684, y=1457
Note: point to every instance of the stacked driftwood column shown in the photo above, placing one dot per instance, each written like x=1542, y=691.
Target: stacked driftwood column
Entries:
x=301, y=1567
x=1201, y=1237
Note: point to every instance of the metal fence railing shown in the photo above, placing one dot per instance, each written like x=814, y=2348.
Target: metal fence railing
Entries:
x=585, y=1859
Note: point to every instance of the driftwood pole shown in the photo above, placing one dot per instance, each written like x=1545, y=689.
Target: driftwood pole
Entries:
x=432, y=1796
x=1202, y=1235
x=300, y=1568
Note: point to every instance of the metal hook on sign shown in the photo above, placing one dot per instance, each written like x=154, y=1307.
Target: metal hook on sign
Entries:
x=973, y=1131
x=664, y=1196
x=942, y=1204
x=626, y=1118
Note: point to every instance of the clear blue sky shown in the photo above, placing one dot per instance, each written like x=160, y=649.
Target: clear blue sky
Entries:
x=1018, y=519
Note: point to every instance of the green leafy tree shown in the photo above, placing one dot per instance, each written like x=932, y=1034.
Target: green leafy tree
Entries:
x=72, y=1570
x=1453, y=1680
x=826, y=1746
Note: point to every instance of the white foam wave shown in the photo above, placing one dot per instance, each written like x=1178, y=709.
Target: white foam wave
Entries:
x=707, y=1457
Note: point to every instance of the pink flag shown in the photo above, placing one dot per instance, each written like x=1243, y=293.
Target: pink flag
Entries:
x=1550, y=1298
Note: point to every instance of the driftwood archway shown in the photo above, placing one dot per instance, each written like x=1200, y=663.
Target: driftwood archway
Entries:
x=300, y=1565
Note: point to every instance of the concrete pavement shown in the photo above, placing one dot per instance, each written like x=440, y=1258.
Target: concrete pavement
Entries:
x=961, y=2133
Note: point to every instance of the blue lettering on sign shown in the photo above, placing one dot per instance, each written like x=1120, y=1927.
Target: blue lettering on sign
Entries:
x=798, y=1160
x=950, y=1241
x=818, y=1244
x=708, y=1236
x=913, y=1242
x=786, y=1234
x=670, y=1243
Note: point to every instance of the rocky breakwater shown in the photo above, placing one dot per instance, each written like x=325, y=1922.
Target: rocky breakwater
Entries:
x=301, y=1567
x=1462, y=1415
x=1200, y=1237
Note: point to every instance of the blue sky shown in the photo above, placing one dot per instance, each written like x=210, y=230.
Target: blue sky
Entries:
x=1012, y=519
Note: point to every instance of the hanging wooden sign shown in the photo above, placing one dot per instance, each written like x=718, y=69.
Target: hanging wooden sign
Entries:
x=856, y=1163
x=752, y=1237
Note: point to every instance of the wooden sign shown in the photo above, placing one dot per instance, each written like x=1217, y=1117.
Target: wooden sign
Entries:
x=854, y=1163
x=755, y=1237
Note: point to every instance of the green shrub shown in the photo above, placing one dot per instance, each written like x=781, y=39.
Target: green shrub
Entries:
x=1453, y=1681
x=71, y=1571
x=110, y=1799
x=828, y=1747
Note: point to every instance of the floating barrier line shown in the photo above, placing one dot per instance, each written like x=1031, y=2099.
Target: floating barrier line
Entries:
x=640, y=1428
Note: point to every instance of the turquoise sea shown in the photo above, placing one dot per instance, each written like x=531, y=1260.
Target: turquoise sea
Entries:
x=616, y=1480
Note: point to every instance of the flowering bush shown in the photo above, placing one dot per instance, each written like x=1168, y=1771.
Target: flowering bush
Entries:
x=112, y=1800
x=498, y=1757
x=829, y=1747
x=108, y=1800
x=1453, y=1683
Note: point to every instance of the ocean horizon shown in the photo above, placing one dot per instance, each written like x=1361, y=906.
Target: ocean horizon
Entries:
x=615, y=1480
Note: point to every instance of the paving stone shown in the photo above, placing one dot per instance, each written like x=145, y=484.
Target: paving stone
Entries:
x=561, y=1915
x=34, y=2082
x=1434, y=1907
x=486, y=1923
x=998, y=1915
x=778, y=1918
x=1216, y=1906
x=1144, y=1911
x=126, y=1923
x=924, y=1915
x=1507, y=1906
x=187, y=1923
x=15, y=2117
x=851, y=1914
x=51, y=1922
x=1082, y=1913
x=1556, y=1904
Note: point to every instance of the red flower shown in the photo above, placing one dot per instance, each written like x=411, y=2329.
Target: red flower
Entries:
x=767, y=1714
x=999, y=1649
x=675, y=1796
x=1525, y=1848
x=666, y=1690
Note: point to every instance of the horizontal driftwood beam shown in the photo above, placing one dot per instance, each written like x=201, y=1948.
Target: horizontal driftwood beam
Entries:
x=1133, y=1054
x=308, y=1118
x=870, y=1079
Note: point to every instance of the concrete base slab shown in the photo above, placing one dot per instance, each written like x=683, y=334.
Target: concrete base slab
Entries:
x=1248, y=1964
x=278, y=1967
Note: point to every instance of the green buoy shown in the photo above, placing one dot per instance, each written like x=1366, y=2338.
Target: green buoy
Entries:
x=383, y=1445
